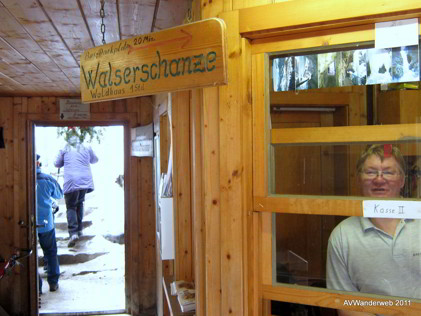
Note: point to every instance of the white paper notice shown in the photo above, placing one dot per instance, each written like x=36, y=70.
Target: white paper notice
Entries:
x=392, y=209
x=74, y=109
x=397, y=33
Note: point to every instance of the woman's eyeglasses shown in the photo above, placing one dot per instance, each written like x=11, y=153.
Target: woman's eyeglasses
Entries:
x=386, y=174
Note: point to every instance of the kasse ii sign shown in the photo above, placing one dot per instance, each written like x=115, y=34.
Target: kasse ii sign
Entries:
x=180, y=58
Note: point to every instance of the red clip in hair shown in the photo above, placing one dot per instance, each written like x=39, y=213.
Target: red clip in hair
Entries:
x=387, y=150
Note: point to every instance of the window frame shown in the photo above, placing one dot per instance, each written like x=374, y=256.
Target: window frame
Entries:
x=265, y=204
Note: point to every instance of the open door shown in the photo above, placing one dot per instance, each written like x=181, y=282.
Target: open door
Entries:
x=31, y=222
x=92, y=272
x=137, y=192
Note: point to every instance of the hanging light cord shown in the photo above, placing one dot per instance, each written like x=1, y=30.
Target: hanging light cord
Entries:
x=102, y=14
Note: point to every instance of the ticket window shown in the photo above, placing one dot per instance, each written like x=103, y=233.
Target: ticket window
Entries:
x=315, y=140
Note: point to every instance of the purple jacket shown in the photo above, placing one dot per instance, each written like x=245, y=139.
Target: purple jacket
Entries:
x=76, y=161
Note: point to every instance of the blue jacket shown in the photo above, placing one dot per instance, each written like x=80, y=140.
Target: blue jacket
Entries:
x=47, y=188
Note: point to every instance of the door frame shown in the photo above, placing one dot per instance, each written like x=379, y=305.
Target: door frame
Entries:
x=127, y=120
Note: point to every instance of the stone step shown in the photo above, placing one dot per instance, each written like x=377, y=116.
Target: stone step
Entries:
x=117, y=238
x=81, y=253
x=65, y=259
x=87, y=248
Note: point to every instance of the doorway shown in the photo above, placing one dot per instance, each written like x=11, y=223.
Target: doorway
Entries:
x=92, y=272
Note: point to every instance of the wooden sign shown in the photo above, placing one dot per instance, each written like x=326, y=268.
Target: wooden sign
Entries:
x=180, y=58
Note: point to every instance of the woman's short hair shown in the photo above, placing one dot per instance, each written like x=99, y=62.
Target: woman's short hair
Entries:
x=382, y=151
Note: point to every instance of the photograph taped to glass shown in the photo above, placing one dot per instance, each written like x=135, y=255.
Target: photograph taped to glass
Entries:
x=306, y=76
x=283, y=74
x=346, y=68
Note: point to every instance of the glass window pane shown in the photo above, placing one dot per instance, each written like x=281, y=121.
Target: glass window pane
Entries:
x=354, y=254
x=315, y=97
x=347, y=122
x=331, y=170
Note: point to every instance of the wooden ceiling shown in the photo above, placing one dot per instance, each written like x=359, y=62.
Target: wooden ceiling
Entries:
x=41, y=41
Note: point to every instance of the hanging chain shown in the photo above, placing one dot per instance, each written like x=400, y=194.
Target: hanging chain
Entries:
x=102, y=14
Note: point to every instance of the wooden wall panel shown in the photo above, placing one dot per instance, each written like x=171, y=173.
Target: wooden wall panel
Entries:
x=211, y=8
x=6, y=171
x=210, y=174
x=250, y=268
x=20, y=195
x=227, y=173
x=145, y=195
x=6, y=191
x=16, y=198
x=212, y=208
x=141, y=259
x=132, y=256
x=180, y=127
x=164, y=268
x=232, y=172
x=219, y=125
x=198, y=217
x=290, y=16
x=165, y=142
x=240, y=4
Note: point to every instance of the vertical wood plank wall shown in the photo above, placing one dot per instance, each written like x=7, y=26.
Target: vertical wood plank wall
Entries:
x=227, y=176
x=160, y=103
x=175, y=143
x=226, y=142
x=180, y=131
x=12, y=200
x=139, y=196
x=221, y=179
x=198, y=219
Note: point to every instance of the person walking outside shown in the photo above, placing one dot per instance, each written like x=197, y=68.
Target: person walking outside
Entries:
x=76, y=159
x=47, y=189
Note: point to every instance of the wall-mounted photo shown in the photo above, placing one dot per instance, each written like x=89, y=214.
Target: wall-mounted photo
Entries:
x=283, y=74
x=328, y=69
x=405, y=64
x=353, y=69
x=379, y=67
x=306, y=76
